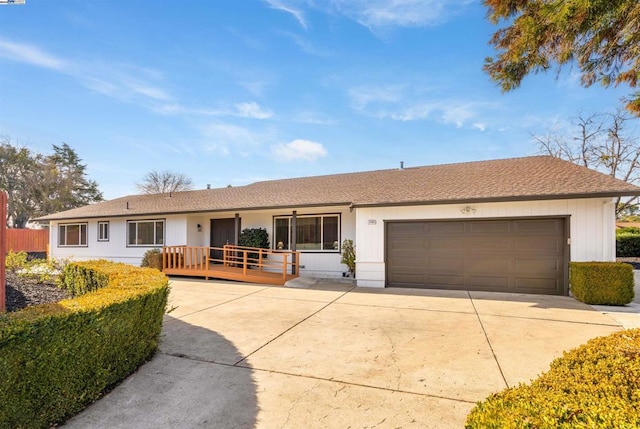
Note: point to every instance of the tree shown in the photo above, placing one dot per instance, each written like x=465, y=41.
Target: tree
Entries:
x=65, y=185
x=37, y=185
x=600, y=36
x=158, y=182
x=19, y=178
x=603, y=142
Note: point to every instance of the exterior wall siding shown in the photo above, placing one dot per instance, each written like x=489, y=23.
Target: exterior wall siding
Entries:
x=592, y=228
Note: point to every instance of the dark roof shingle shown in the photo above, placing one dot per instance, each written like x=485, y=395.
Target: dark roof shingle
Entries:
x=529, y=178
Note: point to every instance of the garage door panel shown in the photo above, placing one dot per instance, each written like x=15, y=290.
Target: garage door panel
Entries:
x=542, y=244
x=513, y=255
x=547, y=286
x=484, y=264
x=450, y=264
x=446, y=282
x=446, y=244
x=548, y=266
x=439, y=229
x=408, y=263
x=539, y=226
x=490, y=228
x=412, y=280
x=482, y=244
x=403, y=228
x=490, y=282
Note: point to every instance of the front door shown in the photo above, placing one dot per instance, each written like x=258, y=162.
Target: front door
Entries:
x=223, y=231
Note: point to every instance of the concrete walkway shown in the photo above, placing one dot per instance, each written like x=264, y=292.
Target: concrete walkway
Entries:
x=333, y=356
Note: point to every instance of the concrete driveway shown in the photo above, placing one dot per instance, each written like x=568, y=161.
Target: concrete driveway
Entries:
x=242, y=356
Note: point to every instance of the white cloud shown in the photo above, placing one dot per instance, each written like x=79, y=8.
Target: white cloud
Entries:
x=378, y=14
x=415, y=113
x=480, y=126
x=252, y=110
x=363, y=96
x=220, y=135
x=307, y=117
x=30, y=54
x=287, y=7
x=458, y=114
x=121, y=81
x=306, y=46
x=255, y=88
x=298, y=150
x=402, y=103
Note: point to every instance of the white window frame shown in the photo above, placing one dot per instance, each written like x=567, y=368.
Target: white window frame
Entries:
x=287, y=246
x=63, y=231
x=103, y=230
x=155, y=225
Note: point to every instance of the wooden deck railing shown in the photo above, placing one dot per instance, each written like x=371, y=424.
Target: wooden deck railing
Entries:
x=232, y=262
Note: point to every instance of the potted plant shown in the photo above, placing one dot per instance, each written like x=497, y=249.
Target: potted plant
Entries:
x=349, y=256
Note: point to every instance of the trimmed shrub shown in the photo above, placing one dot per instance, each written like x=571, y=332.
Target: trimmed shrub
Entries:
x=79, y=279
x=254, y=237
x=57, y=358
x=152, y=258
x=15, y=261
x=628, y=242
x=608, y=283
x=596, y=385
x=627, y=245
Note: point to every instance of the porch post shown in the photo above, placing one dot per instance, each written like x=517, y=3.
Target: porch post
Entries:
x=236, y=237
x=3, y=241
x=294, y=240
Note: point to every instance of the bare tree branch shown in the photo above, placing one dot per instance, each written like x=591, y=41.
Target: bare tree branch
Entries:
x=158, y=182
x=603, y=142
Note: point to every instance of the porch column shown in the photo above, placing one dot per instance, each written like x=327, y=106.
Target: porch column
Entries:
x=236, y=237
x=294, y=240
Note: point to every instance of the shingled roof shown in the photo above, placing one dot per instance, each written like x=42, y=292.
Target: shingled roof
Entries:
x=515, y=179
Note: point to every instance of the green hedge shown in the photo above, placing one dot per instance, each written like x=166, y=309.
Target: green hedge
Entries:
x=79, y=278
x=596, y=385
x=152, y=258
x=608, y=283
x=57, y=358
x=627, y=245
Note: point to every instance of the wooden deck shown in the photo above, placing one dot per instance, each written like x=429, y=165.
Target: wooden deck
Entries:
x=237, y=263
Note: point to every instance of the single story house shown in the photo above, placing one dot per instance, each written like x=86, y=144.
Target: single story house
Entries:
x=502, y=225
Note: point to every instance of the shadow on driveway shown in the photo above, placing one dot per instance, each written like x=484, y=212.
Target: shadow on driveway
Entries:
x=179, y=391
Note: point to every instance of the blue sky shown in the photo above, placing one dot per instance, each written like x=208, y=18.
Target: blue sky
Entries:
x=235, y=91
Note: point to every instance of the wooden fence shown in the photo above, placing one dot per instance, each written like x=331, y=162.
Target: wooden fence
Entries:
x=3, y=234
x=27, y=240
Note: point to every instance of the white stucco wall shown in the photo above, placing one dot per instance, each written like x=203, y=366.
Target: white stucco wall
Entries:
x=183, y=230
x=592, y=228
x=116, y=248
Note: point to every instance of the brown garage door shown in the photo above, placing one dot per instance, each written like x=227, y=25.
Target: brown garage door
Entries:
x=514, y=255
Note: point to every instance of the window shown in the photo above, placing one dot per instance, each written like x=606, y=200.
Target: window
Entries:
x=103, y=231
x=145, y=232
x=72, y=234
x=317, y=232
